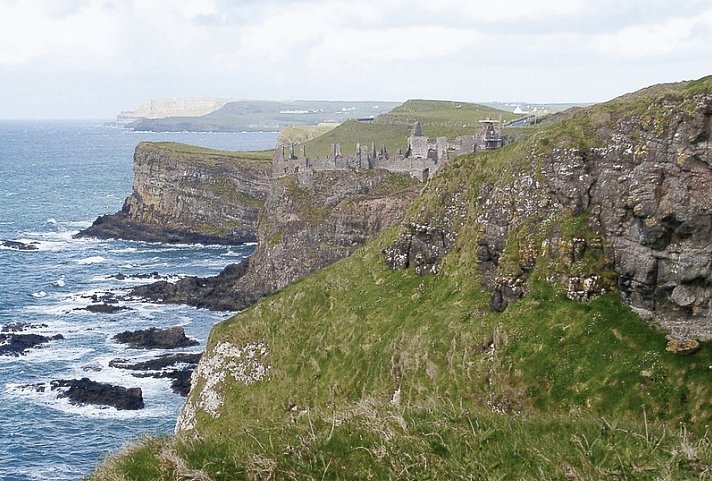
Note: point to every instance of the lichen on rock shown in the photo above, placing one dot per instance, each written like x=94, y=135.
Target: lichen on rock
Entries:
x=225, y=363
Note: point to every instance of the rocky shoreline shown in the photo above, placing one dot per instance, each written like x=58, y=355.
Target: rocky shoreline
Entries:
x=304, y=223
x=121, y=226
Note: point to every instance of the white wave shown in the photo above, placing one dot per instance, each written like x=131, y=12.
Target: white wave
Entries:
x=51, y=221
x=39, y=294
x=233, y=254
x=133, y=281
x=53, y=471
x=52, y=352
x=125, y=250
x=77, y=224
x=53, y=241
x=92, y=260
x=49, y=399
x=60, y=282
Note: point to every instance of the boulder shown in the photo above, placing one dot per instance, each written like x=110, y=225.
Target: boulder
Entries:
x=85, y=391
x=103, y=308
x=21, y=326
x=155, y=338
x=19, y=246
x=178, y=367
x=18, y=344
x=683, y=347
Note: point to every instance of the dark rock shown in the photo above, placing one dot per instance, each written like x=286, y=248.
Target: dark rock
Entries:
x=103, y=308
x=141, y=276
x=205, y=292
x=178, y=367
x=94, y=367
x=19, y=344
x=19, y=246
x=21, y=326
x=85, y=391
x=157, y=363
x=421, y=247
x=305, y=225
x=154, y=338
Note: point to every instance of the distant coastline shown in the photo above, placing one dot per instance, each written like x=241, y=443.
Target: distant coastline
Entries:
x=221, y=115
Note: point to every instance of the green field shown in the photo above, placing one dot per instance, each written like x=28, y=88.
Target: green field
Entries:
x=437, y=118
x=258, y=156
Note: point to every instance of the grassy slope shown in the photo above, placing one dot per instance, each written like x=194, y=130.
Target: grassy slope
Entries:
x=438, y=119
x=569, y=391
x=261, y=156
x=266, y=115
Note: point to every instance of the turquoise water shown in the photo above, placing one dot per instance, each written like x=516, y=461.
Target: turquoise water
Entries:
x=55, y=178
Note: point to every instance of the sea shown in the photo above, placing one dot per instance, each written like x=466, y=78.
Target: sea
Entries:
x=56, y=177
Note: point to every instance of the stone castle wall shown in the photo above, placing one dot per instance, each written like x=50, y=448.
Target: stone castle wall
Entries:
x=423, y=158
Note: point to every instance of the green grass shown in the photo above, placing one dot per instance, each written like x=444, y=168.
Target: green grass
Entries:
x=174, y=147
x=548, y=389
x=302, y=133
x=372, y=441
x=438, y=119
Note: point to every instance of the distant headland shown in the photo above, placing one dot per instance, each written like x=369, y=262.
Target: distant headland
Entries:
x=225, y=115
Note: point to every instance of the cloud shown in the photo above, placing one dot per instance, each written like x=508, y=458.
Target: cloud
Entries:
x=463, y=49
x=62, y=32
x=687, y=36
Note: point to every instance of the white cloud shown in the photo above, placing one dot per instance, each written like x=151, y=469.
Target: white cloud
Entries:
x=489, y=11
x=33, y=29
x=675, y=36
x=465, y=49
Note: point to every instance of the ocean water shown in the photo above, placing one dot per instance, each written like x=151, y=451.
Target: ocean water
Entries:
x=55, y=179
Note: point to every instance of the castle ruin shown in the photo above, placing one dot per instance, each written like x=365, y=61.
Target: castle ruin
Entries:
x=421, y=160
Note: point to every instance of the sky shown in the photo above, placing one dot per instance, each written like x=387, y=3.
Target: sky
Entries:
x=95, y=58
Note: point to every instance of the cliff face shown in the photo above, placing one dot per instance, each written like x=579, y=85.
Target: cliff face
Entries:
x=161, y=108
x=500, y=305
x=616, y=196
x=314, y=222
x=468, y=300
x=306, y=224
x=188, y=194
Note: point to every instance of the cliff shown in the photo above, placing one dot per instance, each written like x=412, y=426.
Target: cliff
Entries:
x=162, y=108
x=190, y=194
x=266, y=115
x=306, y=224
x=496, y=333
x=615, y=197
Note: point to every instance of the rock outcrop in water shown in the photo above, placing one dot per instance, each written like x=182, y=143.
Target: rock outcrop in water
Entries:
x=85, y=391
x=190, y=195
x=19, y=246
x=178, y=367
x=15, y=344
x=155, y=338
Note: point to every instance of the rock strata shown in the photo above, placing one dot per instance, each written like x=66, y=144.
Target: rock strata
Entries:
x=622, y=188
x=189, y=195
x=307, y=223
